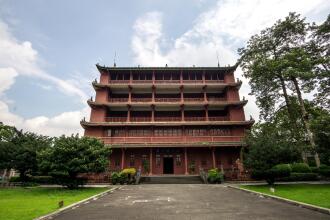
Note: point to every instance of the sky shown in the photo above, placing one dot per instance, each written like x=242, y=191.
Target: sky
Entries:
x=48, y=49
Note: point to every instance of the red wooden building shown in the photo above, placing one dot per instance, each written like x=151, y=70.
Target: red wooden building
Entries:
x=169, y=120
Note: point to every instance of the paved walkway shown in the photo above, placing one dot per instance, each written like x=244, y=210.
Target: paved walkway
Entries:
x=191, y=201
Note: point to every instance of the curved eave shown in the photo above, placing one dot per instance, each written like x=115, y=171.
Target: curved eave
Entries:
x=211, y=103
x=86, y=124
x=107, y=68
x=197, y=144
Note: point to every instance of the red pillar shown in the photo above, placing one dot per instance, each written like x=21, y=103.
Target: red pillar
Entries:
x=152, y=113
x=206, y=113
x=150, y=163
x=185, y=161
x=122, y=158
x=213, y=157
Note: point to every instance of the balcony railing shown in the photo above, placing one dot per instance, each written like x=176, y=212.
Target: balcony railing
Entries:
x=171, y=139
x=164, y=119
x=119, y=81
x=118, y=99
x=167, y=99
x=193, y=99
x=216, y=99
x=141, y=99
x=167, y=81
x=168, y=118
x=192, y=81
x=115, y=119
x=214, y=81
x=141, y=81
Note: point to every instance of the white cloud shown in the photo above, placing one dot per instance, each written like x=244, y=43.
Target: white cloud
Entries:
x=19, y=58
x=222, y=30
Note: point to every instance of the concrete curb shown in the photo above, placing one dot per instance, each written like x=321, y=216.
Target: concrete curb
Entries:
x=289, y=201
x=73, y=205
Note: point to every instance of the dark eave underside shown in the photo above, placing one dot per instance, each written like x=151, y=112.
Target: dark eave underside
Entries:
x=197, y=144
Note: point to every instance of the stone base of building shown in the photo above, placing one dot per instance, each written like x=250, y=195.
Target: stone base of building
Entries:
x=175, y=161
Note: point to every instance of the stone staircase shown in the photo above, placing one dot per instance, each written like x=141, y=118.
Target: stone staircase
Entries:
x=171, y=179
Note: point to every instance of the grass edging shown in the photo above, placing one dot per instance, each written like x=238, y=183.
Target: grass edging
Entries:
x=59, y=211
x=289, y=201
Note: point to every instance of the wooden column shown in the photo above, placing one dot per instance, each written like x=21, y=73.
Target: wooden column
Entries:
x=130, y=94
x=181, y=94
x=152, y=113
x=153, y=94
x=181, y=77
x=213, y=157
x=185, y=162
x=182, y=113
x=204, y=92
x=129, y=114
x=130, y=77
x=150, y=162
x=122, y=158
x=206, y=113
x=153, y=77
x=203, y=76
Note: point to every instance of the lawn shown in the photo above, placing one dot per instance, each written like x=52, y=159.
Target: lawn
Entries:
x=318, y=195
x=29, y=203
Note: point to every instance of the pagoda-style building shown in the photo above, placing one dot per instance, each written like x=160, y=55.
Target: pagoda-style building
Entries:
x=169, y=120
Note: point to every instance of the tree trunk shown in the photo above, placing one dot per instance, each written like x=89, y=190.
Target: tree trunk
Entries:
x=305, y=120
x=291, y=116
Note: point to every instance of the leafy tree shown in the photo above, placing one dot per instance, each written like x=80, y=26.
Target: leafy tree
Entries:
x=269, y=145
x=23, y=154
x=279, y=60
x=7, y=134
x=73, y=155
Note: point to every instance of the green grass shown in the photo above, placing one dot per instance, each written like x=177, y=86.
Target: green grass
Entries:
x=29, y=203
x=318, y=195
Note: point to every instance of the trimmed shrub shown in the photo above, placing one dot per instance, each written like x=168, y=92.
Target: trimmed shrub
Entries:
x=131, y=171
x=115, y=178
x=324, y=170
x=15, y=179
x=214, y=176
x=315, y=169
x=300, y=168
x=300, y=177
x=43, y=179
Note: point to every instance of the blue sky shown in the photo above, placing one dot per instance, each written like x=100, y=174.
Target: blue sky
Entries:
x=48, y=49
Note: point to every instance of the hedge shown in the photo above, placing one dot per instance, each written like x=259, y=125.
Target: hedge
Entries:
x=300, y=177
x=300, y=168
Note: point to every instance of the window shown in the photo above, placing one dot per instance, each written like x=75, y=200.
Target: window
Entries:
x=117, y=163
x=132, y=160
x=178, y=160
x=108, y=133
x=157, y=160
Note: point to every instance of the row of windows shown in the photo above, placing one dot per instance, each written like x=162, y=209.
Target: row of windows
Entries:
x=121, y=132
x=168, y=76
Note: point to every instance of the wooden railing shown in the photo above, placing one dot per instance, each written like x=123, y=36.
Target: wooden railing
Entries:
x=171, y=139
x=164, y=119
x=192, y=81
x=166, y=81
x=168, y=118
x=167, y=99
x=118, y=99
x=193, y=99
x=141, y=81
x=216, y=99
x=115, y=119
x=119, y=81
x=141, y=99
x=214, y=81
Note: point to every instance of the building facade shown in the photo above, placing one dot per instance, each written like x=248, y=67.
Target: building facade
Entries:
x=169, y=120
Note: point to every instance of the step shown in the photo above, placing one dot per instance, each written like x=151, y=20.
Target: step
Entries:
x=171, y=179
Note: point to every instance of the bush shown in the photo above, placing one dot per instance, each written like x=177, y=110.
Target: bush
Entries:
x=315, y=169
x=131, y=171
x=15, y=179
x=324, y=170
x=115, y=178
x=43, y=179
x=214, y=176
x=64, y=179
x=300, y=177
x=300, y=168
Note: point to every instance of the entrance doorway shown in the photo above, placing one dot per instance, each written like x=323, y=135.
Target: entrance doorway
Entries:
x=168, y=165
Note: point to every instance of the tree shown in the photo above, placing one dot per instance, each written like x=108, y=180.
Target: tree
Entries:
x=71, y=156
x=23, y=152
x=269, y=145
x=7, y=134
x=279, y=60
